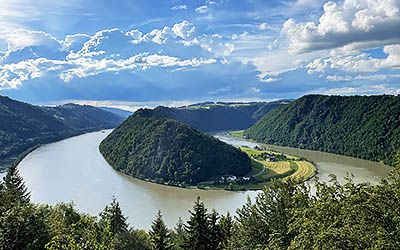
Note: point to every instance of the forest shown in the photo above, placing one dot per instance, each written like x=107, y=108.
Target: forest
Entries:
x=164, y=150
x=366, y=127
x=24, y=126
x=284, y=216
x=210, y=116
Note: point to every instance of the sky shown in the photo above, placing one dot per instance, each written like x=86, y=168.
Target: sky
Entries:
x=128, y=52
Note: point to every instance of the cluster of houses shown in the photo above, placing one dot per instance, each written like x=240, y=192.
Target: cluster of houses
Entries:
x=233, y=178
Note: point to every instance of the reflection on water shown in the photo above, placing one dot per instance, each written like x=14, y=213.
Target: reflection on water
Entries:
x=74, y=170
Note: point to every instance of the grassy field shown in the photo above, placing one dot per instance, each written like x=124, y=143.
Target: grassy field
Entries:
x=305, y=170
x=292, y=167
x=264, y=171
x=237, y=134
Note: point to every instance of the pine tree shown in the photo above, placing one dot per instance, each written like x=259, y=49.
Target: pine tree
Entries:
x=178, y=235
x=15, y=187
x=226, y=225
x=159, y=234
x=113, y=215
x=215, y=233
x=197, y=228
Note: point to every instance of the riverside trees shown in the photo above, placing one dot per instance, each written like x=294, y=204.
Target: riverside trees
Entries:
x=284, y=216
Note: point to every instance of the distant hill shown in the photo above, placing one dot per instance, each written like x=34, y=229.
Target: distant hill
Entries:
x=120, y=112
x=148, y=146
x=210, y=116
x=367, y=127
x=23, y=126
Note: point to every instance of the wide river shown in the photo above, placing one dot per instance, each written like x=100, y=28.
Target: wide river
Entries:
x=74, y=170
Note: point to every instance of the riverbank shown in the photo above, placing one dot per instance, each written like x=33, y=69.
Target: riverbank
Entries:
x=16, y=159
x=266, y=166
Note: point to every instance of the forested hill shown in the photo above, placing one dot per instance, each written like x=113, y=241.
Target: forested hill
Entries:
x=161, y=149
x=219, y=116
x=23, y=126
x=361, y=126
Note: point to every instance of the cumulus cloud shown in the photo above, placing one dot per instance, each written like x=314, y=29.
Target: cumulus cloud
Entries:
x=362, y=23
x=361, y=62
x=22, y=38
x=184, y=29
x=13, y=75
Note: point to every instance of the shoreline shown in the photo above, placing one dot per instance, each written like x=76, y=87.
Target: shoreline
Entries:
x=230, y=186
x=306, y=149
x=17, y=159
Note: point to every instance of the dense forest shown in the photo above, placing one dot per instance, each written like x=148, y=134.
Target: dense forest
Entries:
x=284, y=216
x=220, y=116
x=23, y=126
x=164, y=150
x=367, y=127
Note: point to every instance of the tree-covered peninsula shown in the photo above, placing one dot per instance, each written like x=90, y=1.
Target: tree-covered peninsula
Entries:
x=164, y=150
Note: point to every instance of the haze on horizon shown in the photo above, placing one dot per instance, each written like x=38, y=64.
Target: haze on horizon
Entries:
x=182, y=51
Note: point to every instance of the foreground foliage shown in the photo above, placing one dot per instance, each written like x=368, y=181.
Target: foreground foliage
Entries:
x=284, y=216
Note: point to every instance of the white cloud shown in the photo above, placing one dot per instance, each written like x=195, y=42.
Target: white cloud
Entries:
x=159, y=36
x=183, y=29
x=359, y=90
x=361, y=62
x=75, y=41
x=13, y=75
x=361, y=22
x=202, y=9
x=22, y=38
x=135, y=35
x=269, y=79
x=255, y=90
x=338, y=78
x=179, y=7
x=263, y=26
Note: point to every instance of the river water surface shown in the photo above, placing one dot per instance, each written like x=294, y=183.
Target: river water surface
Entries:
x=74, y=170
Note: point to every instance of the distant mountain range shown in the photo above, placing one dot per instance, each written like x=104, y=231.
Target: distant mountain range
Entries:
x=120, y=112
x=164, y=150
x=210, y=116
x=367, y=127
x=23, y=126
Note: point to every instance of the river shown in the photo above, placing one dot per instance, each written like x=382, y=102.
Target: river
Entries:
x=74, y=170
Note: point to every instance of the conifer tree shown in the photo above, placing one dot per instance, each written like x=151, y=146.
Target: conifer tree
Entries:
x=15, y=187
x=197, y=228
x=215, y=233
x=226, y=225
x=178, y=235
x=159, y=234
x=113, y=215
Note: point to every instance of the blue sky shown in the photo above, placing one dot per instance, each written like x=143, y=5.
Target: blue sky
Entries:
x=127, y=52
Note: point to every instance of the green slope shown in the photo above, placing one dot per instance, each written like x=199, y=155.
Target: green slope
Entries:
x=361, y=126
x=23, y=126
x=161, y=149
x=219, y=116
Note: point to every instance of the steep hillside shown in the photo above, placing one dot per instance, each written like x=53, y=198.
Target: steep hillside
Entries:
x=361, y=126
x=23, y=126
x=220, y=116
x=161, y=149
